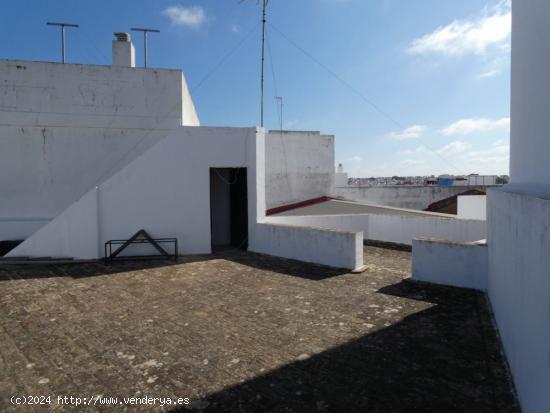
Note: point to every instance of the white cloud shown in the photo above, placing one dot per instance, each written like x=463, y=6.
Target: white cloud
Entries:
x=472, y=125
x=412, y=132
x=454, y=148
x=499, y=152
x=192, y=16
x=489, y=73
x=469, y=36
x=356, y=158
x=235, y=28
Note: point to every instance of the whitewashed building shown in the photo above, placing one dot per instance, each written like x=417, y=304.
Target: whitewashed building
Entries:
x=95, y=153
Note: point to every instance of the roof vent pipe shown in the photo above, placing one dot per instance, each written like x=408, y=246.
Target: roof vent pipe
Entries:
x=124, y=53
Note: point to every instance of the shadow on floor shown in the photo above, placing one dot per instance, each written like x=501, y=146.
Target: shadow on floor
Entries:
x=284, y=266
x=87, y=269
x=7, y=246
x=442, y=359
x=98, y=268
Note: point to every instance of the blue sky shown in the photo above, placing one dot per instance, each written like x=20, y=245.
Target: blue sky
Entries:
x=438, y=71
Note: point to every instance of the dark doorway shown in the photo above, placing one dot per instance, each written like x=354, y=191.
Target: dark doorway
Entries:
x=229, y=207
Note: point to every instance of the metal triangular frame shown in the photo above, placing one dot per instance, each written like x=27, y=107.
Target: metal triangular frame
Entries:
x=132, y=240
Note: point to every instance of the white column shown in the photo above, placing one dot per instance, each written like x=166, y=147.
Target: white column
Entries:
x=530, y=109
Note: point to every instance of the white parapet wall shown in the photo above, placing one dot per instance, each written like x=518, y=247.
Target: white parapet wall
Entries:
x=400, y=229
x=299, y=166
x=460, y=264
x=340, y=249
x=472, y=207
x=519, y=290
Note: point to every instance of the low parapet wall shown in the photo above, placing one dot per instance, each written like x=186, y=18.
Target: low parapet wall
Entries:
x=340, y=249
x=400, y=229
x=460, y=264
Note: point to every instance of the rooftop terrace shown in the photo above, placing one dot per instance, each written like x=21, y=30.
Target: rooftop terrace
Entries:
x=238, y=331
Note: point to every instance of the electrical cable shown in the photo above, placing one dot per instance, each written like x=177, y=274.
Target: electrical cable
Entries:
x=358, y=93
x=224, y=58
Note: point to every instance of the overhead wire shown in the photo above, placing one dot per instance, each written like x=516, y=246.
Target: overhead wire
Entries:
x=224, y=58
x=279, y=111
x=358, y=93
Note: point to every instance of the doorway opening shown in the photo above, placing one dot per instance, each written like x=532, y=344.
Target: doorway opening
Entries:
x=228, y=208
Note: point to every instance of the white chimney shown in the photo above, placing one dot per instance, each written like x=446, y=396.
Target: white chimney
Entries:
x=124, y=53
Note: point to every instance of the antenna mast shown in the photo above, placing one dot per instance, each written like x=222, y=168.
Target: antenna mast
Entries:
x=145, y=31
x=279, y=99
x=262, y=68
x=62, y=25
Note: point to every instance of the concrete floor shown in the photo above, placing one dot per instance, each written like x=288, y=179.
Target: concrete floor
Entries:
x=244, y=332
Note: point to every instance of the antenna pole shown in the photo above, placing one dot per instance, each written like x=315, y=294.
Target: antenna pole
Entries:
x=62, y=44
x=62, y=25
x=145, y=31
x=144, y=48
x=280, y=100
x=262, y=66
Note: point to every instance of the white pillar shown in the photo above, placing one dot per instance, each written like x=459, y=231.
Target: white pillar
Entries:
x=530, y=108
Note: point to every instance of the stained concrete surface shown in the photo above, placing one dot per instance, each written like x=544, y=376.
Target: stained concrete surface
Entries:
x=339, y=207
x=243, y=332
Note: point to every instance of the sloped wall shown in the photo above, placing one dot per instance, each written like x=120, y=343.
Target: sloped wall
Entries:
x=165, y=191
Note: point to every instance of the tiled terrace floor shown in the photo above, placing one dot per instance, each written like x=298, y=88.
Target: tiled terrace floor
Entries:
x=244, y=332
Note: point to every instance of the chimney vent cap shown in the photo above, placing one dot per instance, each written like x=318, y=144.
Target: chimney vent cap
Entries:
x=123, y=37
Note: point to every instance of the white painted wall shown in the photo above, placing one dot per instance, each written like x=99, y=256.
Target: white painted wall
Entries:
x=519, y=214
x=472, y=207
x=322, y=246
x=66, y=128
x=401, y=229
x=166, y=191
x=411, y=197
x=299, y=166
x=73, y=234
x=460, y=264
x=519, y=290
x=530, y=124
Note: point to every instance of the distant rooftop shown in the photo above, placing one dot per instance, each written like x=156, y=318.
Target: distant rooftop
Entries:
x=295, y=132
x=338, y=207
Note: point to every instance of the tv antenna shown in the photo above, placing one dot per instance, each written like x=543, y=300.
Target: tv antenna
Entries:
x=145, y=31
x=279, y=100
x=264, y=21
x=62, y=25
x=264, y=11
